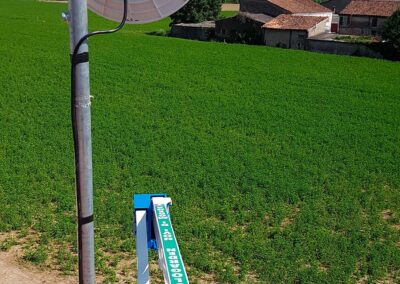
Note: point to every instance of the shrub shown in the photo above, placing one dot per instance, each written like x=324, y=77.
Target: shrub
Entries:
x=391, y=31
x=197, y=11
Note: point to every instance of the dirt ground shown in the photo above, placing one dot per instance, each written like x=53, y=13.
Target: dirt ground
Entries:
x=230, y=7
x=13, y=271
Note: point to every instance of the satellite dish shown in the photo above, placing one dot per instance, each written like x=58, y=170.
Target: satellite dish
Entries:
x=139, y=11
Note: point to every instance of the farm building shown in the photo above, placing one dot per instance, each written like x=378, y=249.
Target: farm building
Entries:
x=244, y=27
x=362, y=17
x=290, y=31
x=275, y=8
x=298, y=24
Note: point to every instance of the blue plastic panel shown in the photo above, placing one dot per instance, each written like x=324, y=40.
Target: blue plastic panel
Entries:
x=143, y=202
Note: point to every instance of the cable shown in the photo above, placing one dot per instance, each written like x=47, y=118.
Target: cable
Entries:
x=85, y=37
x=74, y=63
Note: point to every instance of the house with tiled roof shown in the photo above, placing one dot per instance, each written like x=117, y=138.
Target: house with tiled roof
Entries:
x=362, y=17
x=275, y=8
x=292, y=31
x=247, y=25
x=301, y=24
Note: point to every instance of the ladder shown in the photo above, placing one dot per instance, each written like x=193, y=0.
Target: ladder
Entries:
x=154, y=231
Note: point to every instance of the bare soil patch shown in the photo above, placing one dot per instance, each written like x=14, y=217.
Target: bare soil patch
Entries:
x=230, y=7
x=13, y=270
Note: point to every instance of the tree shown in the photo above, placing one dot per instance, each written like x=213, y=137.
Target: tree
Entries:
x=391, y=29
x=197, y=11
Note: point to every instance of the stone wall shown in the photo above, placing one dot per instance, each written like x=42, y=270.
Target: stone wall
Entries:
x=203, y=31
x=342, y=48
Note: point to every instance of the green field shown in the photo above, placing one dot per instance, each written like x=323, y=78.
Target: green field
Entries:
x=283, y=166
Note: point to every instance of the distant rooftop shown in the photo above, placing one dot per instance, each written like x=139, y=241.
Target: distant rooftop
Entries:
x=371, y=8
x=300, y=6
x=206, y=24
x=256, y=17
x=291, y=22
x=337, y=5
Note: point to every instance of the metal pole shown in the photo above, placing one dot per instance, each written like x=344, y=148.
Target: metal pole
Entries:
x=83, y=143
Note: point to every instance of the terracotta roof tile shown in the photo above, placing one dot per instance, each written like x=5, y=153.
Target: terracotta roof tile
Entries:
x=371, y=8
x=291, y=22
x=300, y=6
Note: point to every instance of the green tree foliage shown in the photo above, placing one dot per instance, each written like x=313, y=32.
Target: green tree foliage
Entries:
x=197, y=11
x=391, y=30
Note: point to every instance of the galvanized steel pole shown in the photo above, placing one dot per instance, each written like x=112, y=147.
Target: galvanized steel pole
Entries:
x=83, y=144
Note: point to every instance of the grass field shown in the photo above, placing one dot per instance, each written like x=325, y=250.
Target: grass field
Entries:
x=283, y=165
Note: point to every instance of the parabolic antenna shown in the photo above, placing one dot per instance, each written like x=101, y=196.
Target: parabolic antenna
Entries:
x=139, y=11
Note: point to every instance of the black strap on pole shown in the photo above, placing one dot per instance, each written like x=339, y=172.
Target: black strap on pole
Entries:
x=80, y=58
x=85, y=220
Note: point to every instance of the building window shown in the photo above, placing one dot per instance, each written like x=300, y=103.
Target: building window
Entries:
x=348, y=21
x=374, y=22
x=341, y=21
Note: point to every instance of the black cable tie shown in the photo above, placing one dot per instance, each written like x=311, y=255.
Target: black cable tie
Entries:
x=80, y=58
x=85, y=220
